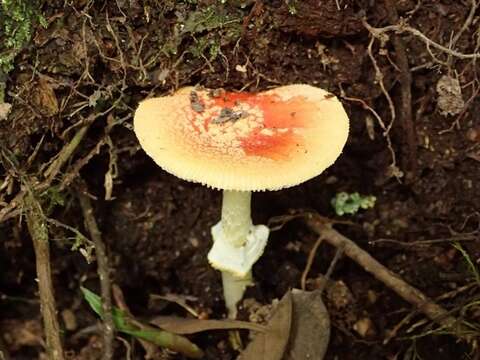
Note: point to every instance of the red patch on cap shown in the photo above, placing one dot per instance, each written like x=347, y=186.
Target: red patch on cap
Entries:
x=286, y=115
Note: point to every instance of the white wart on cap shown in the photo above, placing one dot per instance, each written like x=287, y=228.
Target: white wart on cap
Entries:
x=244, y=141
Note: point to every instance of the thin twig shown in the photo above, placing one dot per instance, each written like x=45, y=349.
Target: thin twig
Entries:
x=311, y=257
x=103, y=270
x=65, y=154
x=150, y=349
x=461, y=237
x=409, y=293
x=39, y=233
x=380, y=122
x=338, y=255
x=70, y=176
x=379, y=80
x=467, y=22
x=10, y=210
x=403, y=27
x=328, y=274
x=393, y=333
x=405, y=112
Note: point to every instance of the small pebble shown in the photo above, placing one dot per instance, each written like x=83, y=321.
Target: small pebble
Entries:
x=473, y=134
x=364, y=327
x=69, y=319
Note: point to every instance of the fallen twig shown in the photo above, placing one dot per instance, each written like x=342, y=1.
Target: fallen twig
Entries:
x=394, y=331
x=39, y=233
x=103, y=270
x=409, y=293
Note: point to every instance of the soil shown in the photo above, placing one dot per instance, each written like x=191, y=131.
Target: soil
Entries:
x=95, y=55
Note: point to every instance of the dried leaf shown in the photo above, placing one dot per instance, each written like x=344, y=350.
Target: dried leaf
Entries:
x=191, y=326
x=450, y=100
x=4, y=110
x=44, y=98
x=180, y=300
x=310, y=332
x=271, y=344
x=298, y=330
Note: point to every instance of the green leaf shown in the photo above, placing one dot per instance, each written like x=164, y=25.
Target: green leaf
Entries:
x=119, y=316
x=125, y=324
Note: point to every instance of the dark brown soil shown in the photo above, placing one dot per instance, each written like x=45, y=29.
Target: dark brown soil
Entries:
x=94, y=55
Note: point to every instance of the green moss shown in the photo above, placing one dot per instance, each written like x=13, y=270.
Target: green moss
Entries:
x=292, y=6
x=345, y=203
x=207, y=28
x=52, y=197
x=17, y=19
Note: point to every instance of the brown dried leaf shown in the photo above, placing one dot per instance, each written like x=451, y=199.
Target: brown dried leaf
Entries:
x=299, y=329
x=180, y=300
x=4, y=110
x=310, y=332
x=271, y=344
x=184, y=326
x=44, y=98
x=450, y=101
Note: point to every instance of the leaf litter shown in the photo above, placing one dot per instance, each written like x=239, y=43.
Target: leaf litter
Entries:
x=184, y=326
x=299, y=329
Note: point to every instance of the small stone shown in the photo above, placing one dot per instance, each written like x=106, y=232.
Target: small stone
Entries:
x=194, y=242
x=69, y=320
x=340, y=295
x=473, y=134
x=241, y=68
x=372, y=297
x=365, y=327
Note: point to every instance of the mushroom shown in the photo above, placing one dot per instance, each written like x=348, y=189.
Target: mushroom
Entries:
x=239, y=143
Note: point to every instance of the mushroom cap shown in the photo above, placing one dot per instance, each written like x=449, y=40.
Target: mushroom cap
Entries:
x=243, y=141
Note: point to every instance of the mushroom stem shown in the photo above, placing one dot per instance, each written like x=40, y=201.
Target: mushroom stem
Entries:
x=237, y=245
x=233, y=290
x=236, y=216
x=236, y=224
